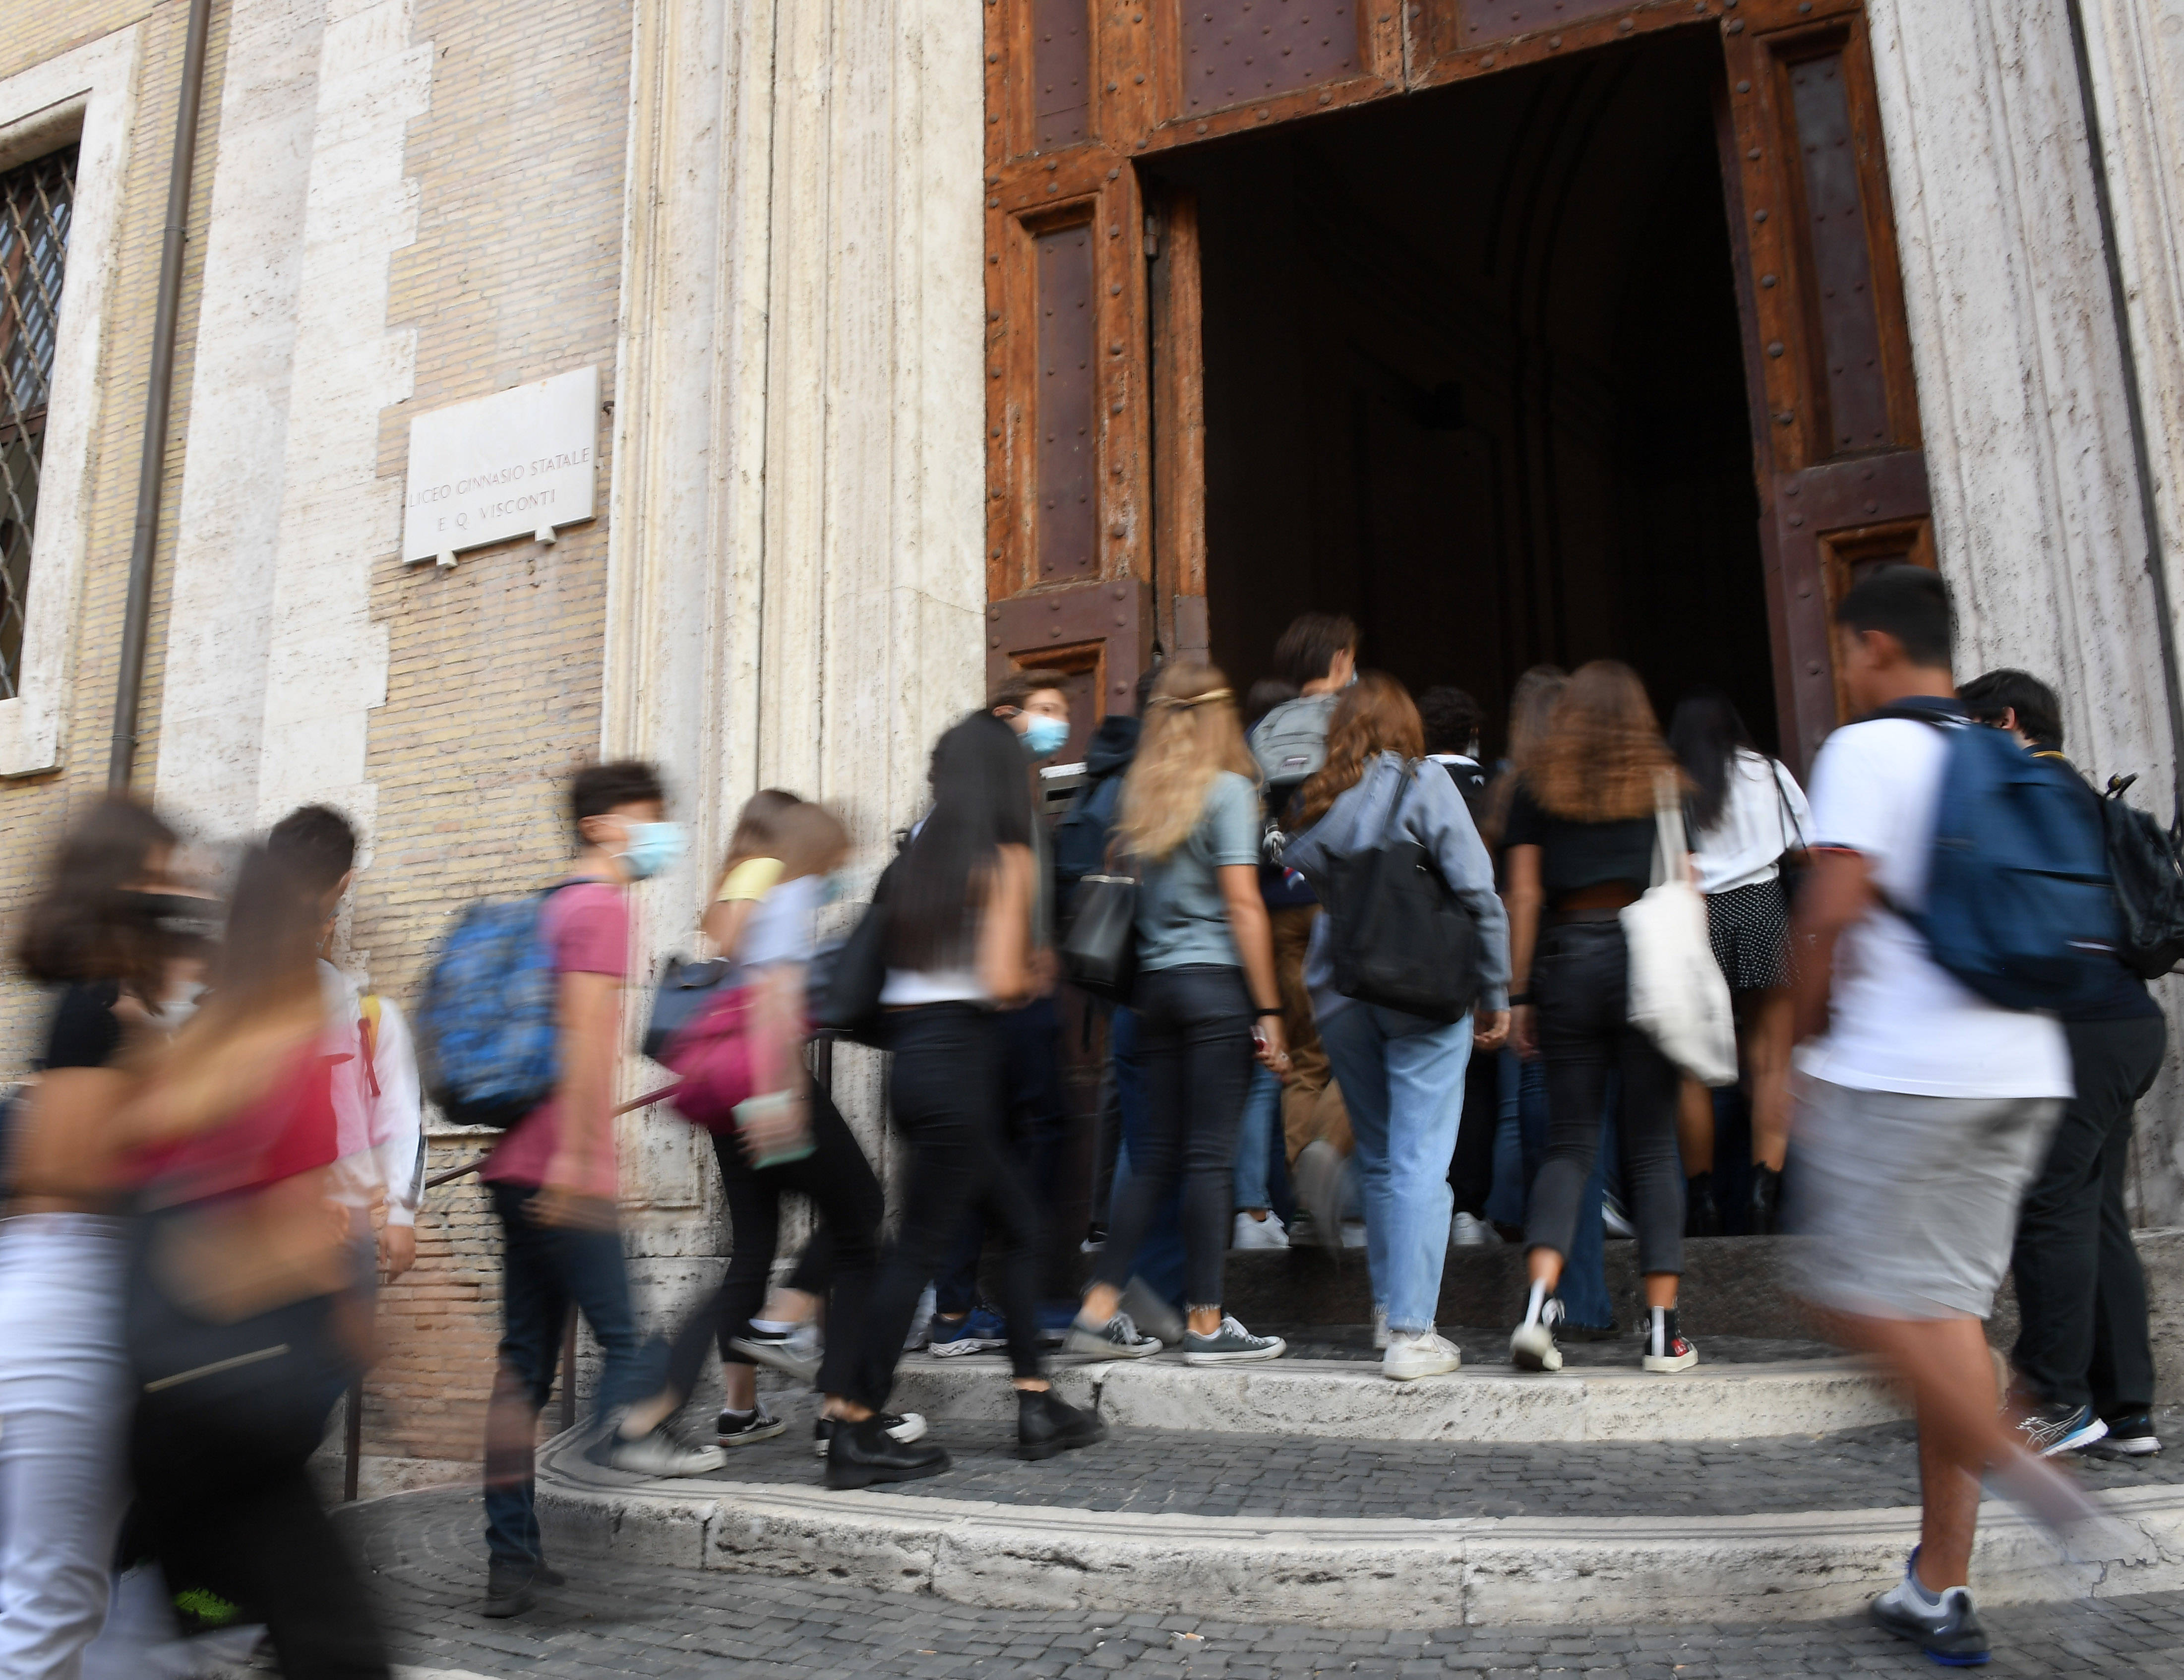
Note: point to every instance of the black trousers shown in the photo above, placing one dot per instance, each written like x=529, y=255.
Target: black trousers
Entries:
x=1471, y=1169
x=846, y=1197
x=2081, y=1293
x=1194, y=1056
x=946, y=1093
x=1036, y=1134
x=1580, y=987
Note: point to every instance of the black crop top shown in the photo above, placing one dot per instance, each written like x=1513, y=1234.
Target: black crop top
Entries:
x=1574, y=855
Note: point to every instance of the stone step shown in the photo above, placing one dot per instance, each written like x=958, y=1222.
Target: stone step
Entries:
x=1350, y=1533
x=1339, y=1399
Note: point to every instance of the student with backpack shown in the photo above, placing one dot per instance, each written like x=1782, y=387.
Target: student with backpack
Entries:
x=1379, y=818
x=2083, y=1360
x=1924, y=1105
x=553, y=1180
x=1318, y=653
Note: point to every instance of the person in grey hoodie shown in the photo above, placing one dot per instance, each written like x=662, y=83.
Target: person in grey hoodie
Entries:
x=1402, y=1075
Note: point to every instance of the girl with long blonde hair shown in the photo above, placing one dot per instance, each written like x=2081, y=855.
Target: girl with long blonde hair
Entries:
x=1189, y=824
x=1581, y=840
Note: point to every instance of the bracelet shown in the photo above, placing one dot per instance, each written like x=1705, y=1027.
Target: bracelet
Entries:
x=1263, y=1014
x=1518, y=1000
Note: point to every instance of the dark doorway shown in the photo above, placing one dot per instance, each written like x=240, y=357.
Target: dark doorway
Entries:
x=1473, y=374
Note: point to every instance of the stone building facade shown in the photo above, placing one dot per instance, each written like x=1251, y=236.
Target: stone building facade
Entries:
x=804, y=245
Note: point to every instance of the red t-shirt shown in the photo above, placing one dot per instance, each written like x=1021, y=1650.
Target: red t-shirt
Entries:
x=587, y=925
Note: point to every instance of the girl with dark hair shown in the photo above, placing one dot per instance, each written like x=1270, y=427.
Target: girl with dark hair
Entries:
x=1746, y=815
x=112, y=934
x=1581, y=843
x=1402, y=1075
x=958, y=907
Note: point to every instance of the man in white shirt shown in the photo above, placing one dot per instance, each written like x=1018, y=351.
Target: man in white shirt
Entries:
x=1923, y=1109
x=378, y=1114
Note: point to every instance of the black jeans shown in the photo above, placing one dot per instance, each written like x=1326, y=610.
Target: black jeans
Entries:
x=544, y=1269
x=2081, y=1293
x=945, y=1092
x=846, y=1197
x=1471, y=1169
x=1195, y=1055
x=1033, y=1131
x=1580, y=983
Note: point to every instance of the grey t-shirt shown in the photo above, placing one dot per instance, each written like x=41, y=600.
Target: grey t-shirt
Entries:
x=1182, y=917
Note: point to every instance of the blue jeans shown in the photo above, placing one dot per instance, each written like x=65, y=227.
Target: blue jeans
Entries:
x=1584, y=1287
x=1402, y=1079
x=1254, y=1139
x=543, y=1270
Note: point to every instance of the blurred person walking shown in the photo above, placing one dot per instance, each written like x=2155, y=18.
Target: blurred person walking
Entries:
x=1319, y=655
x=554, y=1184
x=2084, y=1359
x=1205, y=995
x=1923, y=1109
x=957, y=903
x=1402, y=1075
x=1582, y=836
x=1748, y=819
x=249, y=1302
x=1257, y=1225
x=123, y=948
x=375, y=1091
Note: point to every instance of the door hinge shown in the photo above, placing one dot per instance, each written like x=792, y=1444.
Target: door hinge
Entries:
x=1152, y=238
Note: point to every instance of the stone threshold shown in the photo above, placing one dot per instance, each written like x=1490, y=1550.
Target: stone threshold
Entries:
x=1387, y=1572
x=1339, y=1399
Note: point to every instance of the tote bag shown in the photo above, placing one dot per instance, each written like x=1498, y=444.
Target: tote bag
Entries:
x=1677, y=995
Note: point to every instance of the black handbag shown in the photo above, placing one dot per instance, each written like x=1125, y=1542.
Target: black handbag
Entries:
x=1100, y=951
x=847, y=977
x=687, y=987
x=1398, y=936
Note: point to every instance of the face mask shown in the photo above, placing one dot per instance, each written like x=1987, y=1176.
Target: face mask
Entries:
x=1045, y=737
x=185, y=920
x=831, y=888
x=653, y=847
x=181, y=1004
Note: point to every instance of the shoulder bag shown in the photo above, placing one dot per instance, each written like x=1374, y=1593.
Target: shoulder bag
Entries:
x=1677, y=995
x=1100, y=951
x=1398, y=936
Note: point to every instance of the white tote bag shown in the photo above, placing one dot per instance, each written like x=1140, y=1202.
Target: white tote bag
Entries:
x=1678, y=997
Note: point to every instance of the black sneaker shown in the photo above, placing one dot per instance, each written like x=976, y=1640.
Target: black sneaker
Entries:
x=1046, y=1424
x=1948, y=1631
x=904, y=1427
x=1532, y=1344
x=2131, y=1435
x=794, y=1353
x=1665, y=1350
x=1763, y=1212
x=742, y=1428
x=864, y=1453
x=509, y=1588
x=2058, y=1426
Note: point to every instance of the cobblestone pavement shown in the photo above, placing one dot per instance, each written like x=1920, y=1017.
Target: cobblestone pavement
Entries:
x=615, y=1620
x=1226, y=1475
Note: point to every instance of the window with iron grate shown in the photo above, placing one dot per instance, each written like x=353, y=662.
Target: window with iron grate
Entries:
x=36, y=199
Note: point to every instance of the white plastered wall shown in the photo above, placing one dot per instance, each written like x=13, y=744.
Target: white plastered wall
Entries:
x=2021, y=395
x=89, y=96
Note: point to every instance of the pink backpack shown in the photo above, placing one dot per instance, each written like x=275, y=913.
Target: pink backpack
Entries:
x=714, y=1054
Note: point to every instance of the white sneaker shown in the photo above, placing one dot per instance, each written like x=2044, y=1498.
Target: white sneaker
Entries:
x=1379, y=1327
x=921, y=1323
x=1259, y=1234
x=1353, y=1233
x=1413, y=1354
x=1468, y=1231
x=1532, y=1345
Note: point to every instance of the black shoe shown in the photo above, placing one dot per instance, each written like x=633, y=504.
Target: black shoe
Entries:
x=2058, y=1426
x=865, y=1453
x=543, y=1574
x=1046, y=1424
x=1700, y=1217
x=2131, y=1435
x=509, y=1588
x=909, y=1427
x=1949, y=1630
x=1764, y=1213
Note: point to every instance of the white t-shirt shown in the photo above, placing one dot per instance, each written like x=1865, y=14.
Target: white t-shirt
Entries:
x=1901, y=1021
x=1762, y=816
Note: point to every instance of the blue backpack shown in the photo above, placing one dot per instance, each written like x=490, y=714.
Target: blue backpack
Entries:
x=487, y=1024
x=2020, y=902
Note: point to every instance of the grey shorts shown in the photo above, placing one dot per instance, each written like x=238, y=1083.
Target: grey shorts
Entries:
x=1906, y=1207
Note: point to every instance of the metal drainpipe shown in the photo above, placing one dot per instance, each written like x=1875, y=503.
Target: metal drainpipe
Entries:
x=2149, y=512
x=151, y=474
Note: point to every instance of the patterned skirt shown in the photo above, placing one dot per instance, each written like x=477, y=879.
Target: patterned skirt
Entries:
x=1750, y=928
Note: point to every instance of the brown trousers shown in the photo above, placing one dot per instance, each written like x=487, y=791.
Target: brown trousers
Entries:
x=1312, y=1102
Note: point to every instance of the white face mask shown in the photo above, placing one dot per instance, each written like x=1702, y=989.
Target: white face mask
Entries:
x=180, y=1004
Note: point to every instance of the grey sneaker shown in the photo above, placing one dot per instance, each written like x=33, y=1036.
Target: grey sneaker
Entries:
x=1948, y=1631
x=794, y=1353
x=1231, y=1344
x=663, y=1453
x=1117, y=1338
x=1151, y=1314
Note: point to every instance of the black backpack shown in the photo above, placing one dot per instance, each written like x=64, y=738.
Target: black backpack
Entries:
x=1398, y=937
x=2147, y=863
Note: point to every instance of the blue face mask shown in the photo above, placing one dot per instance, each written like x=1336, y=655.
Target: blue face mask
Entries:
x=653, y=847
x=1045, y=737
x=832, y=888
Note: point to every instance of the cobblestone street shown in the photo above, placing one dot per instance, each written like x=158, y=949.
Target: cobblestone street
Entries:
x=615, y=1619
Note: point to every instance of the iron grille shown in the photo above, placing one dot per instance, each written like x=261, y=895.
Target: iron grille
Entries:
x=36, y=202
